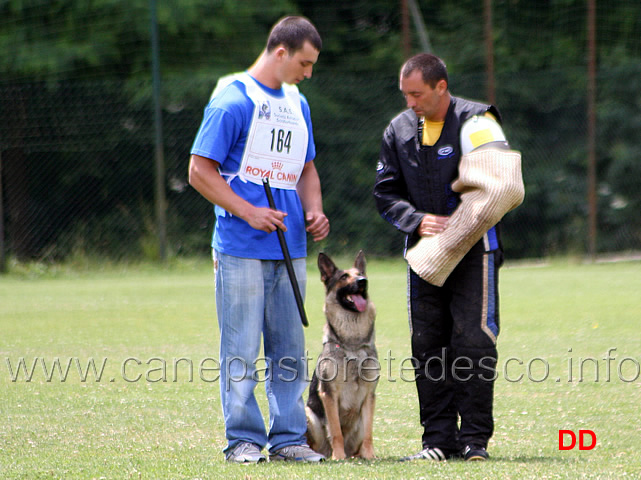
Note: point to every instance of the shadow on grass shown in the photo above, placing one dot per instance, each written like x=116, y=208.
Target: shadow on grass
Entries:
x=493, y=459
x=526, y=459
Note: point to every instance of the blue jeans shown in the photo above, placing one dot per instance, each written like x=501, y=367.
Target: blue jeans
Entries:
x=254, y=299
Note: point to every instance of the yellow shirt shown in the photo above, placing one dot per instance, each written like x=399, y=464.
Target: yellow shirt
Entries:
x=431, y=132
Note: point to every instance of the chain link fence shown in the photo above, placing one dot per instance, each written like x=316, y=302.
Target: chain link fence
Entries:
x=77, y=161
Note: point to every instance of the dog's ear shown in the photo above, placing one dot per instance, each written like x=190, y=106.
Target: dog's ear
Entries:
x=360, y=263
x=326, y=267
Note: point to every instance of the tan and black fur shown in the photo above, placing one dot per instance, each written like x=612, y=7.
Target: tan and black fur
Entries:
x=340, y=408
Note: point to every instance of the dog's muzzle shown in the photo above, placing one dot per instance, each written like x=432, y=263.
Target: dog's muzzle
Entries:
x=355, y=295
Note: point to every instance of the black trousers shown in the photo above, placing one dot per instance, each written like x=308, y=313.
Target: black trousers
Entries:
x=454, y=330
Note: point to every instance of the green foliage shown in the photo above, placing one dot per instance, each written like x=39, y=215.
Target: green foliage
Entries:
x=620, y=195
x=215, y=37
x=53, y=40
x=76, y=135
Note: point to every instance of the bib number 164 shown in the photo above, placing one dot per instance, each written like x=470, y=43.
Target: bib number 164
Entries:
x=281, y=140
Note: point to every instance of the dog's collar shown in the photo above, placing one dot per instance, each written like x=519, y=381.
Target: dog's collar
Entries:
x=337, y=345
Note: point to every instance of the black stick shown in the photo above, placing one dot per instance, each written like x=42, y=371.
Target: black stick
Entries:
x=288, y=259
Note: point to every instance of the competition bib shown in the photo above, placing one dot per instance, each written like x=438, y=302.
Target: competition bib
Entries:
x=277, y=140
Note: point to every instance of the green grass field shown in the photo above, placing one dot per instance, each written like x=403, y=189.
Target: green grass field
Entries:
x=149, y=408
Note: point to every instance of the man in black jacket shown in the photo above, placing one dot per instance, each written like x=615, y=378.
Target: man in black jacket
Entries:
x=454, y=326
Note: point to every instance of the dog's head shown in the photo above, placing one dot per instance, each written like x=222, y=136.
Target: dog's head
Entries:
x=349, y=286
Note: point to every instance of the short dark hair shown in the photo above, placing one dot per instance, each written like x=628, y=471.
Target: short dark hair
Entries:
x=293, y=32
x=432, y=68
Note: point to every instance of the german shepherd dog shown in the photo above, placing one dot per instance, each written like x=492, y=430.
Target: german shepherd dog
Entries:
x=340, y=407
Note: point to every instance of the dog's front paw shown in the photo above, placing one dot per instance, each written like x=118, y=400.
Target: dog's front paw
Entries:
x=366, y=453
x=338, y=454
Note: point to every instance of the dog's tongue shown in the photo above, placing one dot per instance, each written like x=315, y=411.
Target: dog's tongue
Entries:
x=359, y=302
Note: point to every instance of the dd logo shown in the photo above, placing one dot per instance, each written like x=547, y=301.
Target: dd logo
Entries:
x=572, y=437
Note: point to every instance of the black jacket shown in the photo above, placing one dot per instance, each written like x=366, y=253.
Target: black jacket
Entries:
x=411, y=179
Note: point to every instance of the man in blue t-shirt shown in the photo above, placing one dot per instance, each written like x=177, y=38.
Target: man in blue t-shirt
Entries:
x=257, y=124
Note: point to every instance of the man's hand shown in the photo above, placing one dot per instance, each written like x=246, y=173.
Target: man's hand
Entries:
x=317, y=225
x=432, y=224
x=266, y=219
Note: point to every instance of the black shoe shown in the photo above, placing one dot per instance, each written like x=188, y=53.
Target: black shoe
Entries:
x=472, y=453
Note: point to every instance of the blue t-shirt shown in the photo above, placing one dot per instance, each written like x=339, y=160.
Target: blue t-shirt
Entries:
x=222, y=137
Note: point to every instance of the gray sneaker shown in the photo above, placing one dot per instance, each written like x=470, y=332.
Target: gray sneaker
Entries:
x=296, y=453
x=246, y=453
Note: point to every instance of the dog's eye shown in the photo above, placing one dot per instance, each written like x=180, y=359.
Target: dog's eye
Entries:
x=344, y=276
